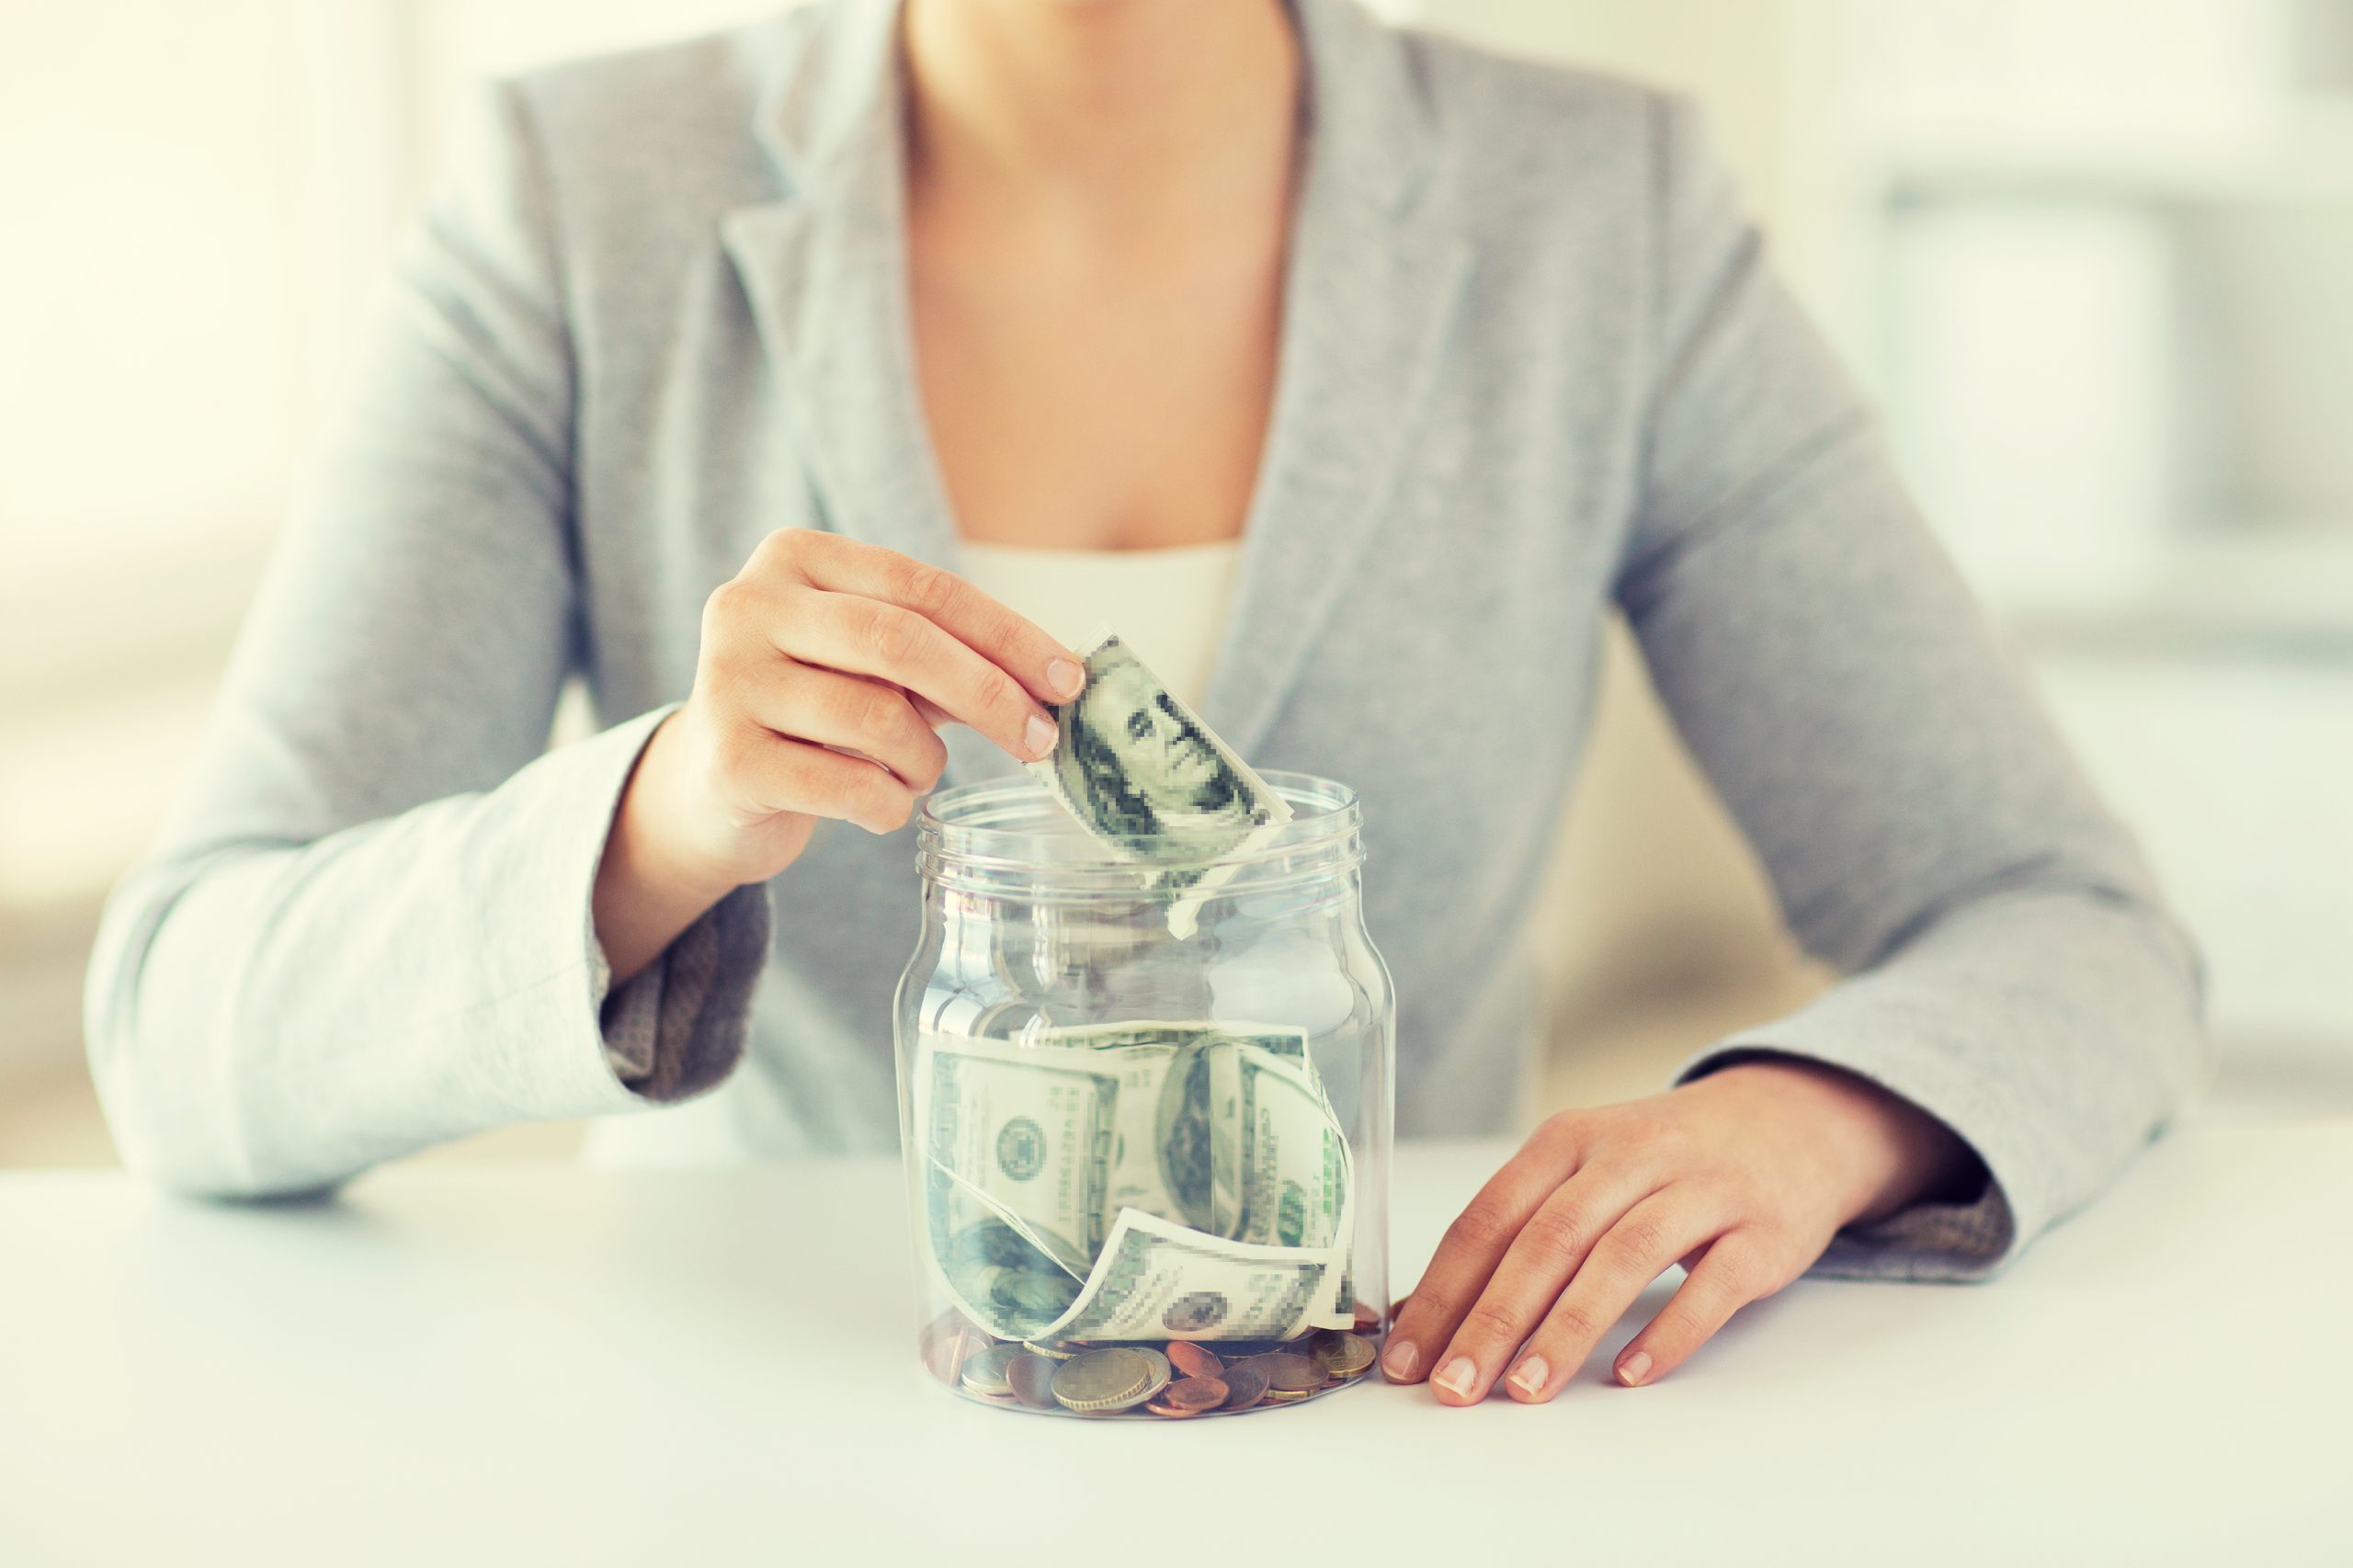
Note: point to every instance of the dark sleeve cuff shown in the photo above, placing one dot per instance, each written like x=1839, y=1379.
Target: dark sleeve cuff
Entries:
x=678, y=1028
x=1889, y=1041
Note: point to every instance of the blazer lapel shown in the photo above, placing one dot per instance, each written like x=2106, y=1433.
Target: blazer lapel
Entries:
x=1373, y=285
x=824, y=270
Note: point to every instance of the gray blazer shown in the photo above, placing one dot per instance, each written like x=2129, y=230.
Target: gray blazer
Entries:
x=1532, y=365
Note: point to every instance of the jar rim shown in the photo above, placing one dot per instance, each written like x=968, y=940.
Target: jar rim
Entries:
x=961, y=826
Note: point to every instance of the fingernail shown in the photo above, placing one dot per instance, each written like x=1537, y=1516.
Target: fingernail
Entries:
x=1634, y=1369
x=1456, y=1376
x=1064, y=678
x=1401, y=1360
x=1039, y=736
x=1531, y=1375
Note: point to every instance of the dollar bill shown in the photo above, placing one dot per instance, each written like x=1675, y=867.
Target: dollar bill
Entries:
x=1036, y=1150
x=1198, y=1131
x=1301, y=1180
x=1158, y=1281
x=1214, y=1109
x=1142, y=774
x=1296, y=1170
x=1016, y=1175
x=1030, y=1151
x=1281, y=1041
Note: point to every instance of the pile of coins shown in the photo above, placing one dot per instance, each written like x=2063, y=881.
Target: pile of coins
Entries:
x=1176, y=1380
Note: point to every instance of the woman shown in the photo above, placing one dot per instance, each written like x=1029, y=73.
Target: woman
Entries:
x=835, y=314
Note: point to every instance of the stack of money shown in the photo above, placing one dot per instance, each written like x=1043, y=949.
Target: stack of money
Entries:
x=1141, y=772
x=1141, y=1180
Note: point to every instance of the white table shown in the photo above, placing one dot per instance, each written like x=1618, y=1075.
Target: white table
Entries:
x=700, y=1368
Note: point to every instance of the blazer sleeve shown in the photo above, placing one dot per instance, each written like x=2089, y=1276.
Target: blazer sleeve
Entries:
x=2011, y=969
x=367, y=926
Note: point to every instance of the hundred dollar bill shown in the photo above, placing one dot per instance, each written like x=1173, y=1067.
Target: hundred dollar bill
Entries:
x=1015, y=1176
x=1158, y=1281
x=1281, y=1041
x=1300, y=1188
x=1295, y=1160
x=1142, y=774
x=1210, y=1110
x=1199, y=1154
x=1031, y=1150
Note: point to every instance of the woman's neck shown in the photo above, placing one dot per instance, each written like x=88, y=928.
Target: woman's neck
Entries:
x=1169, y=109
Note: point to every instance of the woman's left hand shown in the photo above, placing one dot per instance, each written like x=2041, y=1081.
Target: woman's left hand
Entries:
x=1743, y=1175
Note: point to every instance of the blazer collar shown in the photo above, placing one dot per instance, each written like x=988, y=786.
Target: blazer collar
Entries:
x=1371, y=285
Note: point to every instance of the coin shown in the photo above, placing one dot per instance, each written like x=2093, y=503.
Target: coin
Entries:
x=1160, y=1370
x=1289, y=1396
x=1193, y=1361
x=1162, y=1407
x=1098, y=1380
x=1366, y=1318
x=945, y=1345
x=1344, y=1355
x=1052, y=1349
x=1192, y=1394
x=1246, y=1385
x=1243, y=1350
x=1032, y=1380
x=985, y=1373
x=1289, y=1372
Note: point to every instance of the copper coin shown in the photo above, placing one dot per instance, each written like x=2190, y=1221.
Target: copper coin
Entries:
x=1366, y=1318
x=1289, y=1372
x=1246, y=1385
x=1191, y=1361
x=947, y=1344
x=1158, y=1407
x=1195, y=1393
x=1033, y=1377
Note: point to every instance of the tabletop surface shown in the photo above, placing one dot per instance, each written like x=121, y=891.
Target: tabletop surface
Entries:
x=554, y=1365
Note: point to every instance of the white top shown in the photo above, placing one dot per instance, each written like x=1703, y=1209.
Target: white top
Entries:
x=1167, y=605
x=559, y=1365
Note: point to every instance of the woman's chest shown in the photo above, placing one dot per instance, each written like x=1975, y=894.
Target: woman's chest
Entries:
x=1097, y=405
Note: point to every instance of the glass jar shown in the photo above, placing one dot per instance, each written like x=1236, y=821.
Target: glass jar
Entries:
x=1148, y=1172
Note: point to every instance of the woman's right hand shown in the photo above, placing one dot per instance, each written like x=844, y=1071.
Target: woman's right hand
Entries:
x=819, y=648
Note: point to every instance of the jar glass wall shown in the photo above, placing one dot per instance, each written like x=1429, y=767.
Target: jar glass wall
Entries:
x=1146, y=1111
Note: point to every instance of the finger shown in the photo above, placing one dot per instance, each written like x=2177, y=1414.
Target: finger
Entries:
x=870, y=717
x=780, y=773
x=1637, y=1249
x=1538, y=1265
x=1050, y=672
x=868, y=637
x=1467, y=1253
x=1732, y=1271
x=929, y=711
